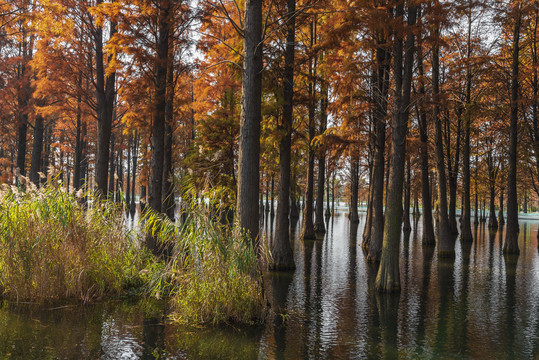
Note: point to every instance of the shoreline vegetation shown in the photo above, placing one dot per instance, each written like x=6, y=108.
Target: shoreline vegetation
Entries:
x=56, y=249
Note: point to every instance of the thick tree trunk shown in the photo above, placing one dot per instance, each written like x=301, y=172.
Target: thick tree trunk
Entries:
x=159, y=120
x=388, y=278
x=445, y=243
x=511, y=238
x=428, y=228
x=319, y=225
x=105, y=93
x=383, y=59
x=249, y=144
x=281, y=251
x=37, y=151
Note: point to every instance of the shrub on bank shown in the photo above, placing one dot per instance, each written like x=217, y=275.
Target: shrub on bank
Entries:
x=52, y=247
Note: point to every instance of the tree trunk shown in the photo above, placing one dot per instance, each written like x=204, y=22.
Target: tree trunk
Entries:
x=428, y=228
x=168, y=185
x=281, y=251
x=492, y=221
x=453, y=175
x=383, y=60
x=110, y=194
x=249, y=144
x=511, y=237
x=388, y=278
x=445, y=243
x=134, y=170
x=37, y=151
x=501, y=219
x=354, y=189
x=308, y=225
x=128, y=183
x=406, y=217
x=159, y=120
x=105, y=93
x=319, y=225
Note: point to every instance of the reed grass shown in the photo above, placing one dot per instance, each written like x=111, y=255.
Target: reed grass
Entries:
x=213, y=274
x=52, y=247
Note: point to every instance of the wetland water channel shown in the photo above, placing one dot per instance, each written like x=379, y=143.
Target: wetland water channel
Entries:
x=480, y=305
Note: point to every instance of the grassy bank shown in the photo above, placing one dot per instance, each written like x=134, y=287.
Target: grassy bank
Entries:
x=213, y=275
x=54, y=248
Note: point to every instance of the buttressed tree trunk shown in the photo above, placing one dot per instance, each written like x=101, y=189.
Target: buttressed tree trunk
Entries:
x=281, y=251
x=388, y=278
x=492, y=172
x=251, y=103
x=354, y=188
x=511, y=238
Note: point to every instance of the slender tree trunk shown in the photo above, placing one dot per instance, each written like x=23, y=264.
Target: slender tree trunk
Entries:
x=354, y=189
x=501, y=219
x=37, y=151
x=319, y=225
x=406, y=217
x=168, y=185
x=128, y=183
x=388, y=278
x=453, y=175
x=511, y=237
x=110, y=194
x=308, y=225
x=134, y=170
x=281, y=251
x=492, y=221
x=465, y=223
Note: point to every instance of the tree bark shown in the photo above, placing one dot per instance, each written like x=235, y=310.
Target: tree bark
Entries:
x=281, y=251
x=159, y=118
x=308, y=225
x=105, y=93
x=383, y=60
x=428, y=228
x=492, y=221
x=37, y=151
x=406, y=217
x=319, y=225
x=249, y=144
x=511, y=238
x=354, y=188
x=168, y=185
x=445, y=243
x=388, y=278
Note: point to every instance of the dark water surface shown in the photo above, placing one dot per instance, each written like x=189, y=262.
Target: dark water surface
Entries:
x=480, y=305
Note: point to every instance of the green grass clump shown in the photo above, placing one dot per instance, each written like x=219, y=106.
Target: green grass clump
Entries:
x=54, y=248
x=213, y=275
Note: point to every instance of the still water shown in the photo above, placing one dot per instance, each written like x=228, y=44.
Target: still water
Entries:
x=480, y=305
